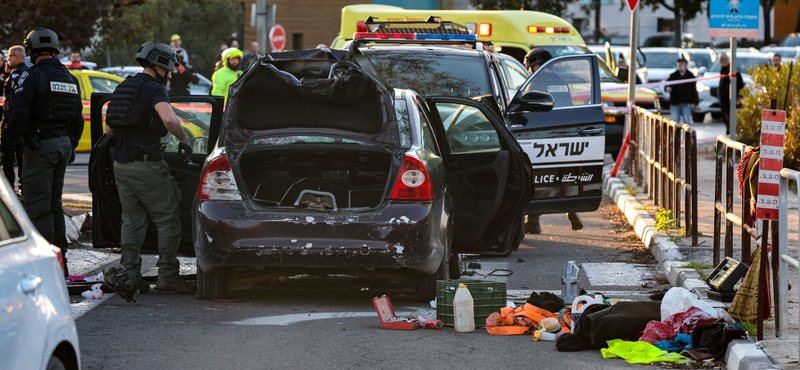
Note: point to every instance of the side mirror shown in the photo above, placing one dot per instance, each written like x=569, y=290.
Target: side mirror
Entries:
x=702, y=70
x=533, y=101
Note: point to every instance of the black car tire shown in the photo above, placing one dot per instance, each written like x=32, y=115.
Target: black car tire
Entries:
x=55, y=364
x=698, y=117
x=426, y=284
x=210, y=286
x=455, y=265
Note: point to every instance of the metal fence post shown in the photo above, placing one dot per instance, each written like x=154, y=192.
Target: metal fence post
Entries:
x=717, y=200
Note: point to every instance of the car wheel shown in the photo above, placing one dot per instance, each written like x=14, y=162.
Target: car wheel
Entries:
x=455, y=265
x=426, y=284
x=55, y=364
x=698, y=117
x=210, y=286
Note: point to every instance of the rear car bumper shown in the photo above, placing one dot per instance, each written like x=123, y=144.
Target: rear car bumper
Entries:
x=407, y=235
x=563, y=205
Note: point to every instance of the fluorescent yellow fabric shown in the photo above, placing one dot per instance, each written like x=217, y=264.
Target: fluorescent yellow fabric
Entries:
x=639, y=352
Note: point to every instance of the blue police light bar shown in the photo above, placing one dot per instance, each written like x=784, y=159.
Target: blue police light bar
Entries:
x=426, y=36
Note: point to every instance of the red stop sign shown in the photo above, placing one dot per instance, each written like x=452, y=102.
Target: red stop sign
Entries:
x=632, y=4
x=277, y=38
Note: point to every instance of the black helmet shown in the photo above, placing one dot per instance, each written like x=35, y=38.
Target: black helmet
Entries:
x=41, y=39
x=158, y=54
x=537, y=56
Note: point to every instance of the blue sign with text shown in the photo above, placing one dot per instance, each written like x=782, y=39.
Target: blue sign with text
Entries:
x=734, y=18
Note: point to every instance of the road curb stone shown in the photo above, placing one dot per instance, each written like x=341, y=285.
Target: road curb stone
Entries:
x=742, y=354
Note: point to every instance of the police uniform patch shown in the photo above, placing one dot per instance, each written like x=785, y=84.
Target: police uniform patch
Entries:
x=63, y=87
x=22, y=77
x=557, y=88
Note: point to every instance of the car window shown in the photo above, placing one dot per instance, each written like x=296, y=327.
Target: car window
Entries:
x=9, y=228
x=432, y=74
x=744, y=64
x=515, y=73
x=702, y=59
x=428, y=141
x=401, y=110
x=103, y=85
x=195, y=119
x=467, y=129
x=662, y=60
x=791, y=41
x=568, y=81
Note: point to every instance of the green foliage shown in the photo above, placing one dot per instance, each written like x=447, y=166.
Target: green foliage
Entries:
x=632, y=190
x=76, y=19
x=555, y=7
x=202, y=24
x=642, y=208
x=771, y=84
x=665, y=221
x=750, y=327
x=696, y=266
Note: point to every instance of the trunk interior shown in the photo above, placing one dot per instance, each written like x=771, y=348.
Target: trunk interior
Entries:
x=321, y=179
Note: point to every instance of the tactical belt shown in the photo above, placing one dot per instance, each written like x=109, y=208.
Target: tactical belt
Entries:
x=139, y=157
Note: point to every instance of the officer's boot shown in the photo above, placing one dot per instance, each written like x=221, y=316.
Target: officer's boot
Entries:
x=117, y=279
x=575, y=221
x=532, y=225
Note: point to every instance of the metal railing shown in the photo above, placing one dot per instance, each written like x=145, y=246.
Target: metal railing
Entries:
x=728, y=154
x=664, y=158
x=782, y=309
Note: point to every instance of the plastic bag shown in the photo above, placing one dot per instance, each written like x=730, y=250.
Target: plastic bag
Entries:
x=95, y=293
x=679, y=300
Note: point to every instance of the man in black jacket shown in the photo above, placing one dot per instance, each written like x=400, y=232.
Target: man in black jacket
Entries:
x=683, y=97
x=181, y=78
x=16, y=66
x=725, y=88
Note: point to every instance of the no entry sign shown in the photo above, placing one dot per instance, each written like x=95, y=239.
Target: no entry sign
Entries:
x=773, y=131
x=277, y=38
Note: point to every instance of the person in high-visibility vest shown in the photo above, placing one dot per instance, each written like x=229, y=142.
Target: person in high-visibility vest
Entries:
x=228, y=74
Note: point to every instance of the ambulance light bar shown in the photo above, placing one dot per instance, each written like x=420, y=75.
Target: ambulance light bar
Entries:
x=366, y=36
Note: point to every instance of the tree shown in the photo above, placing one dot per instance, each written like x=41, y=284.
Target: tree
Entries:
x=554, y=7
x=202, y=24
x=684, y=10
x=76, y=19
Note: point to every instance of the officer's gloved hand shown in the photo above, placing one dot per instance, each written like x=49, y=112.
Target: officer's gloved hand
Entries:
x=72, y=157
x=186, y=148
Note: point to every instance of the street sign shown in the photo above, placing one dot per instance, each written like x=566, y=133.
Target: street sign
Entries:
x=734, y=18
x=773, y=131
x=277, y=38
x=632, y=4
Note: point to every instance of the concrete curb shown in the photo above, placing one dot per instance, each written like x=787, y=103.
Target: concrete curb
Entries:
x=742, y=354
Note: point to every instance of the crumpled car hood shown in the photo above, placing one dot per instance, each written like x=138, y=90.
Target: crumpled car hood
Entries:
x=318, y=92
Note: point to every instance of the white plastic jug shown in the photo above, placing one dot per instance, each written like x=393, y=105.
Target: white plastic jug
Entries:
x=585, y=301
x=463, y=310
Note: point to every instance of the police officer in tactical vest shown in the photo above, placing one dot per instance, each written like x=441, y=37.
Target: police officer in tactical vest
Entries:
x=46, y=117
x=138, y=116
x=16, y=67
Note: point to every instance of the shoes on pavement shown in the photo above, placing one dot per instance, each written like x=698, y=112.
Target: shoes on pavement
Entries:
x=575, y=221
x=116, y=278
x=531, y=228
x=144, y=287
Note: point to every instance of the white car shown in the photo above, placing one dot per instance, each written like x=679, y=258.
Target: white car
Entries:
x=707, y=89
x=37, y=330
x=786, y=52
x=662, y=62
x=201, y=88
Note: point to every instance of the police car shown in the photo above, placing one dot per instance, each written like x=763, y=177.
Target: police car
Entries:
x=561, y=126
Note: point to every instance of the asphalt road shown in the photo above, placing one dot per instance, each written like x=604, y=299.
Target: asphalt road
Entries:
x=330, y=322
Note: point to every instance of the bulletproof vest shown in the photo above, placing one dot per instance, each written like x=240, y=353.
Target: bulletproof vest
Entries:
x=58, y=98
x=125, y=111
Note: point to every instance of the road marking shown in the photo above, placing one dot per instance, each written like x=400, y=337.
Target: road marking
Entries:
x=283, y=320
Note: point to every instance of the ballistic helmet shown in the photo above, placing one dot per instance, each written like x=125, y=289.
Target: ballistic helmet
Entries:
x=41, y=39
x=231, y=53
x=537, y=56
x=157, y=54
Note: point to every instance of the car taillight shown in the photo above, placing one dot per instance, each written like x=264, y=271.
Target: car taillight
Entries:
x=413, y=183
x=59, y=255
x=485, y=29
x=217, y=181
x=361, y=26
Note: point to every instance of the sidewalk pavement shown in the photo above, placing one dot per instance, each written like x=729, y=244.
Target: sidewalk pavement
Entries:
x=81, y=159
x=674, y=252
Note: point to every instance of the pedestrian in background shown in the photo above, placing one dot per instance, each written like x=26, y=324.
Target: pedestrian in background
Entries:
x=234, y=37
x=254, y=50
x=683, y=97
x=776, y=60
x=533, y=61
x=725, y=88
x=182, y=78
x=75, y=59
x=228, y=74
x=15, y=67
x=46, y=115
x=139, y=115
x=176, y=39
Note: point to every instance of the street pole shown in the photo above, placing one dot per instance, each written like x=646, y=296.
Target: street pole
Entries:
x=634, y=46
x=261, y=20
x=732, y=113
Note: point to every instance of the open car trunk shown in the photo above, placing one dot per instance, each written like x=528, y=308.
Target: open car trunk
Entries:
x=319, y=177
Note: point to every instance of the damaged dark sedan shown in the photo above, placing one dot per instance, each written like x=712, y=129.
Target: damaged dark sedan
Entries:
x=320, y=167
